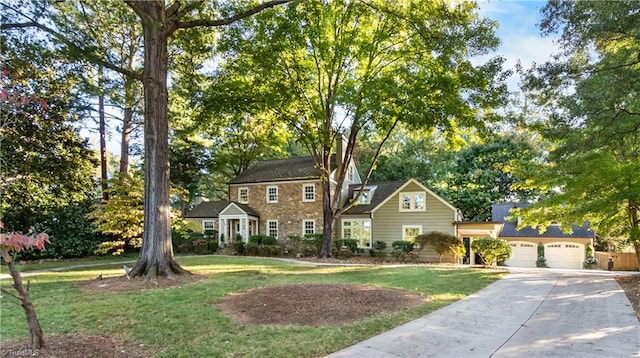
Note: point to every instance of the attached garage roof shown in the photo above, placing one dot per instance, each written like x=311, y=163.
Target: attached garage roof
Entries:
x=500, y=212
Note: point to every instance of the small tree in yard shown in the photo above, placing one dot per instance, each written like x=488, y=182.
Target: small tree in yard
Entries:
x=442, y=243
x=14, y=242
x=492, y=250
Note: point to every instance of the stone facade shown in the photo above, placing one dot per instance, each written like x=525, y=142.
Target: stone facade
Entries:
x=290, y=210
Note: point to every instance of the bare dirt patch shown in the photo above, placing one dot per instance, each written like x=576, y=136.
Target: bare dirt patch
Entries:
x=314, y=304
x=77, y=346
x=631, y=287
x=123, y=284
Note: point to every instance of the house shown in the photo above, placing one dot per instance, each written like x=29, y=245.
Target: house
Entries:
x=283, y=197
x=561, y=250
x=394, y=211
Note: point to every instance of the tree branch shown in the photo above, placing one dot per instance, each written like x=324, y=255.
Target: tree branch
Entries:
x=231, y=19
x=84, y=53
x=11, y=294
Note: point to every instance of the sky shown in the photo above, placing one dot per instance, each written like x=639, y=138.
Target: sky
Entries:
x=518, y=30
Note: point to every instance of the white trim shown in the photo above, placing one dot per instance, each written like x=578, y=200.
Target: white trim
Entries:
x=240, y=188
x=360, y=220
x=412, y=201
x=401, y=188
x=405, y=227
x=269, y=200
x=269, y=230
x=304, y=192
x=304, y=228
x=213, y=224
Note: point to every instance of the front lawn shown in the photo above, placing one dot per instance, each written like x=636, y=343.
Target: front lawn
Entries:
x=184, y=322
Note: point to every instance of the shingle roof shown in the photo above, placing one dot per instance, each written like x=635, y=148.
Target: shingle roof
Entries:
x=381, y=191
x=207, y=209
x=296, y=168
x=499, y=212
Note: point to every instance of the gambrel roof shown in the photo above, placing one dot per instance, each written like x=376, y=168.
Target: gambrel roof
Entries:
x=274, y=170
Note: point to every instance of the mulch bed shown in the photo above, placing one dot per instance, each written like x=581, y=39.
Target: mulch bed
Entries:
x=77, y=346
x=631, y=287
x=122, y=284
x=314, y=304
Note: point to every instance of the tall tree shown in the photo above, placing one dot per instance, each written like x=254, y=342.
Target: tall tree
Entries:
x=338, y=67
x=159, y=23
x=593, y=118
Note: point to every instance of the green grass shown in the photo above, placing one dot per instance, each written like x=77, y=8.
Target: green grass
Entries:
x=183, y=321
x=55, y=264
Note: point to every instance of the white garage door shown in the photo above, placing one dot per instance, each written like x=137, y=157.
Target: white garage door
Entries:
x=524, y=254
x=564, y=254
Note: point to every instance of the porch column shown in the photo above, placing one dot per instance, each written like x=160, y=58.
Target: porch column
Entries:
x=244, y=229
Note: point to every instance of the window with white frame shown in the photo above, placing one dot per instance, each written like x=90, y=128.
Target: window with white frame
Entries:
x=308, y=227
x=243, y=195
x=208, y=225
x=272, y=228
x=364, y=198
x=412, y=201
x=410, y=232
x=359, y=230
x=272, y=194
x=308, y=192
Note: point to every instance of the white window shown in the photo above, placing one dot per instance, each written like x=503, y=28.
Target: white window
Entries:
x=308, y=192
x=412, y=201
x=308, y=227
x=243, y=195
x=272, y=194
x=208, y=225
x=409, y=233
x=359, y=230
x=272, y=228
x=364, y=198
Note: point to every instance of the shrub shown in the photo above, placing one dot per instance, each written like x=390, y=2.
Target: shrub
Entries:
x=442, y=243
x=262, y=239
x=492, y=250
x=213, y=246
x=401, y=249
x=350, y=244
x=201, y=246
x=590, y=263
x=237, y=247
x=378, y=249
x=210, y=233
x=541, y=261
x=251, y=249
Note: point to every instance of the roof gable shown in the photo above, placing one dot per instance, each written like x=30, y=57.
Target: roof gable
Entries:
x=386, y=191
x=499, y=213
x=235, y=206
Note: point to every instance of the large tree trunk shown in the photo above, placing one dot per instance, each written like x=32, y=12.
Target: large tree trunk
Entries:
x=124, y=145
x=156, y=255
x=103, y=139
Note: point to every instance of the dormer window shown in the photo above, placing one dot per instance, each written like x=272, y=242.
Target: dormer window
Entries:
x=364, y=198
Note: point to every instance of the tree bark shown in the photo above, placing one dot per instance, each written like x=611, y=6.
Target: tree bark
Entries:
x=156, y=254
x=103, y=139
x=36, y=337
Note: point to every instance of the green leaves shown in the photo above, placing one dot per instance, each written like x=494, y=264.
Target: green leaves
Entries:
x=594, y=120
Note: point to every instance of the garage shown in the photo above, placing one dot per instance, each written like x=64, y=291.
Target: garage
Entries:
x=524, y=254
x=564, y=254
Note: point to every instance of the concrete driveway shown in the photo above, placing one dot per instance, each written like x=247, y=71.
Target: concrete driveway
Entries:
x=529, y=313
